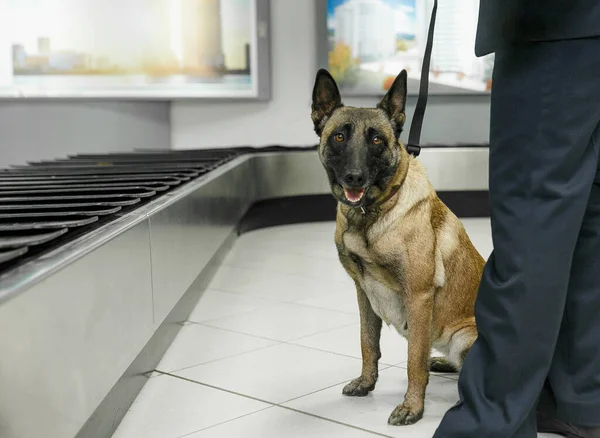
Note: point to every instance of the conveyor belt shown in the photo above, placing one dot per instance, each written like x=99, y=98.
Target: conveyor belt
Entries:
x=46, y=204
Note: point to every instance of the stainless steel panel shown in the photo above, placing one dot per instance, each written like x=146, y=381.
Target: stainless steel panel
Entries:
x=19, y=280
x=187, y=233
x=115, y=405
x=289, y=174
x=66, y=341
x=463, y=168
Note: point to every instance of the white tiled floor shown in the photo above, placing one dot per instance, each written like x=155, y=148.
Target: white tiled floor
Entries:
x=271, y=344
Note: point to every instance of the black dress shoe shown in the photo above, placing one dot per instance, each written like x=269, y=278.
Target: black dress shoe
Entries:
x=547, y=424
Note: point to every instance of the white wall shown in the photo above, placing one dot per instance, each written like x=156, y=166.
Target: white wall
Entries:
x=47, y=129
x=286, y=120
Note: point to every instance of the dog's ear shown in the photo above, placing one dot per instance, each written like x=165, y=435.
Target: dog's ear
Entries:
x=325, y=99
x=394, y=102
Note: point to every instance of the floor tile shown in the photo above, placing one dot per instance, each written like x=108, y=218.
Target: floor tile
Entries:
x=168, y=407
x=345, y=301
x=285, y=322
x=268, y=262
x=197, y=344
x=292, y=241
x=372, y=412
x=314, y=251
x=217, y=304
x=310, y=231
x=276, y=374
x=346, y=340
x=275, y=286
x=277, y=422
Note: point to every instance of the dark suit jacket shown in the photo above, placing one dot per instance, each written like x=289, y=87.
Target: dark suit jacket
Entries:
x=504, y=23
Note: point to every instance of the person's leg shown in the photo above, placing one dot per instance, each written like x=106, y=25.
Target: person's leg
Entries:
x=570, y=400
x=545, y=108
x=574, y=378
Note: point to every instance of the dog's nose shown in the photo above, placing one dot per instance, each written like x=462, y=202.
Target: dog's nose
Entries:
x=355, y=179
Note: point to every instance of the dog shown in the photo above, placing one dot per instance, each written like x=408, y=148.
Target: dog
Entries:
x=409, y=256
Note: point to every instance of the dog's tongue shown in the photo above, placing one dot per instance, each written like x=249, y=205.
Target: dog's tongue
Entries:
x=354, y=195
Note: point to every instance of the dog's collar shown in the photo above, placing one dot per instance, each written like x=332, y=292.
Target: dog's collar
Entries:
x=386, y=199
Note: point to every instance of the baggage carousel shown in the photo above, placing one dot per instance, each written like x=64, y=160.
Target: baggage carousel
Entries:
x=103, y=256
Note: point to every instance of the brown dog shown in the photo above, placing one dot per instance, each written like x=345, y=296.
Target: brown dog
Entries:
x=411, y=260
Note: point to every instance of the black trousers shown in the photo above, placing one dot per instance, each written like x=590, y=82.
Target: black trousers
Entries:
x=538, y=309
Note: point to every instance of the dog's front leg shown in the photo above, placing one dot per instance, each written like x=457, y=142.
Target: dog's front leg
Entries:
x=420, y=315
x=370, y=332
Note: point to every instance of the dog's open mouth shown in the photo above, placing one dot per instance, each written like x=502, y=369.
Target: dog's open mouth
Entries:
x=354, y=195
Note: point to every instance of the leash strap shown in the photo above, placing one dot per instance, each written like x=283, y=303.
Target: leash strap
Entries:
x=414, y=137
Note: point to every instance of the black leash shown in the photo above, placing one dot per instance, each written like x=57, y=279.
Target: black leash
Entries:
x=414, y=137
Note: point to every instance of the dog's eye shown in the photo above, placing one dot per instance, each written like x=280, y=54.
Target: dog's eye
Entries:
x=339, y=137
x=376, y=140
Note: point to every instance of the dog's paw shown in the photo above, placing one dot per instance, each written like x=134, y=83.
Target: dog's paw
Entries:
x=404, y=415
x=359, y=387
x=441, y=365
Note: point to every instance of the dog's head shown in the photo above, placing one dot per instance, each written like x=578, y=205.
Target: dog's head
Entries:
x=359, y=147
